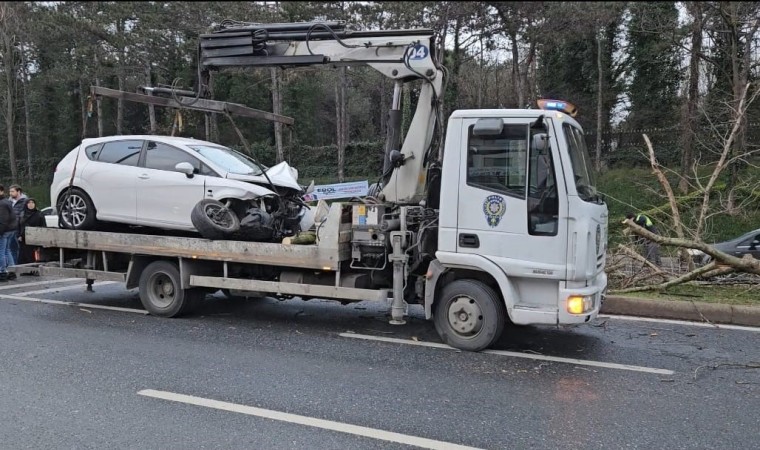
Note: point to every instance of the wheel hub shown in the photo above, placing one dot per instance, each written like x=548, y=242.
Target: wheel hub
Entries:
x=465, y=316
x=219, y=216
x=162, y=290
x=75, y=210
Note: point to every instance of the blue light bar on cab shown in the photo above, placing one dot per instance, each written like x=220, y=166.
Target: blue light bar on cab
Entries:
x=558, y=105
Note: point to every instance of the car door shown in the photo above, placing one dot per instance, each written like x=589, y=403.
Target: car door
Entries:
x=749, y=246
x=509, y=205
x=165, y=197
x=111, y=178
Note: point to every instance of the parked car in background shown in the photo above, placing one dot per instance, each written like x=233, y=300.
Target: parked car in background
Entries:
x=176, y=183
x=746, y=244
x=51, y=218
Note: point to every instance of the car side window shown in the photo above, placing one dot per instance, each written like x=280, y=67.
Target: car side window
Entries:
x=126, y=153
x=92, y=151
x=162, y=156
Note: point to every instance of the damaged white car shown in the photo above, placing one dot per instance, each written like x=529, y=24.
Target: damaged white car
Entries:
x=176, y=183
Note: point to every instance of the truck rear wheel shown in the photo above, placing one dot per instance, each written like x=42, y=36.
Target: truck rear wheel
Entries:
x=161, y=293
x=469, y=315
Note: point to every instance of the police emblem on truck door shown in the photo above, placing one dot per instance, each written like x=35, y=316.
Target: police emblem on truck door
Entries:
x=494, y=208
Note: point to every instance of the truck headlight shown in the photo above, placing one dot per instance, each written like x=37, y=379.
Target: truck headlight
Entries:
x=579, y=304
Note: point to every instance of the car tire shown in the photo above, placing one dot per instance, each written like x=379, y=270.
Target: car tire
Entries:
x=213, y=220
x=76, y=210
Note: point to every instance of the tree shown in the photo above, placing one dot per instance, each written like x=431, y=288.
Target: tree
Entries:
x=689, y=115
x=654, y=66
x=9, y=20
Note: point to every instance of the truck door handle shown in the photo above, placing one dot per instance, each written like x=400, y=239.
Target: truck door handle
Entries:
x=469, y=240
x=144, y=176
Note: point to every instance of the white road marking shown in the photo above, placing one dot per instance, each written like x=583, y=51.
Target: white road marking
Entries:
x=579, y=362
x=680, y=322
x=36, y=283
x=305, y=420
x=66, y=288
x=62, y=303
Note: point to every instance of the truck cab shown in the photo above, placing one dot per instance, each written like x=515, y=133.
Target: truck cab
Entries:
x=519, y=210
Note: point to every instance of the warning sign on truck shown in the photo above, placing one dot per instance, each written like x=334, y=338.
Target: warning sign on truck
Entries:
x=339, y=190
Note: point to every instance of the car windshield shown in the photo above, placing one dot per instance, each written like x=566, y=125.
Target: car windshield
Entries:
x=585, y=183
x=228, y=159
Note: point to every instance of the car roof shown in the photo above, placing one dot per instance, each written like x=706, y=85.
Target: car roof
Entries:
x=165, y=139
x=739, y=239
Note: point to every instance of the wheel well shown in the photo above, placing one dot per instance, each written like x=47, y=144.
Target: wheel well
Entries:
x=63, y=192
x=460, y=274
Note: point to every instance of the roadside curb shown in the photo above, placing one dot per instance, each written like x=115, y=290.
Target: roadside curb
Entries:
x=683, y=310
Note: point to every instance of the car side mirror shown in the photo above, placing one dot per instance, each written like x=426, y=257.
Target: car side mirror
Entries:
x=186, y=168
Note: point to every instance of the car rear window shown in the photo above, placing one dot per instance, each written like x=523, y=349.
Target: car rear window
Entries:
x=121, y=152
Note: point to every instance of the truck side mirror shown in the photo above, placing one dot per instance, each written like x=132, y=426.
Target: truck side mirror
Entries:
x=540, y=142
x=186, y=168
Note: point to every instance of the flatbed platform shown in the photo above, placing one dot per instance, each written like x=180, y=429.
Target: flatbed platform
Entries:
x=321, y=257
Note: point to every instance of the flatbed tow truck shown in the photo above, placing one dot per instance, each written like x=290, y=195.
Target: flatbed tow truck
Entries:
x=496, y=221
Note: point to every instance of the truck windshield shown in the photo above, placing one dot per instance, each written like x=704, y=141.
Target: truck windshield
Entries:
x=585, y=183
x=228, y=159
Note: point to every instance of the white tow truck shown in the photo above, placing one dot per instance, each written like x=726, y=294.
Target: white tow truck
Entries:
x=496, y=220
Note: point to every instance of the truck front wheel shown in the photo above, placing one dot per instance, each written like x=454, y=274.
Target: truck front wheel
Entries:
x=161, y=293
x=469, y=315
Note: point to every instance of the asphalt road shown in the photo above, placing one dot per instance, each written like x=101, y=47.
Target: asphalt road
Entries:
x=83, y=377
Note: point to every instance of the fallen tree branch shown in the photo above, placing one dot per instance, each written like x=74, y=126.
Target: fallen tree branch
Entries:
x=693, y=275
x=746, y=264
x=640, y=258
x=720, y=270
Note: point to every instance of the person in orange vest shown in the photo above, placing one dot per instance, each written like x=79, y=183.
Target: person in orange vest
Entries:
x=652, y=248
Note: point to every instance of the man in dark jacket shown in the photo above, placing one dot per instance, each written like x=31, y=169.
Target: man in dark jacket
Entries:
x=18, y=200
x=8, y=231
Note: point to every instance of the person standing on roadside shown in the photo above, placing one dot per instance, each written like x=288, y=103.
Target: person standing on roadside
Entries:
x=18, y=200
x=32, y=218
x=8, y=231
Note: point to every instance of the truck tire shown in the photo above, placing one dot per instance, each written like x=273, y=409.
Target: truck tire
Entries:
x=76, y=210
x=160, y=291
x=213, y=220
x=469, y=315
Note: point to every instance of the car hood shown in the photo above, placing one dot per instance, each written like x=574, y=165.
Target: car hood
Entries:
x=281, y=175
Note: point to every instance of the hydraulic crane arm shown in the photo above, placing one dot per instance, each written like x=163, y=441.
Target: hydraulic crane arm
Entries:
x=402, y=55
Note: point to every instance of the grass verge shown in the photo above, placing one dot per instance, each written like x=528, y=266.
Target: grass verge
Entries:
x=746, y=294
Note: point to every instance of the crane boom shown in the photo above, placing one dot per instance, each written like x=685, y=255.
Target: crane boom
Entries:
x=401, y=55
